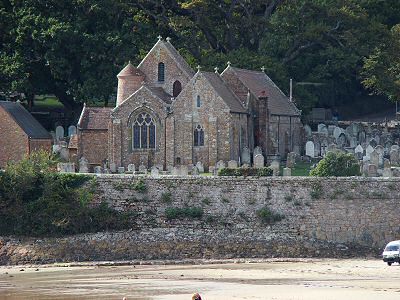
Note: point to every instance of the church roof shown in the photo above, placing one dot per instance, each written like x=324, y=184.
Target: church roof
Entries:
x=160, y=93
x=130, y=70
x=25, y=120
x=174, y=54
x=94, y=118
x=224, y=92
x=261, y=85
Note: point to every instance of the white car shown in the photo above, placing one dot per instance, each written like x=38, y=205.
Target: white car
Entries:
x=391, y=253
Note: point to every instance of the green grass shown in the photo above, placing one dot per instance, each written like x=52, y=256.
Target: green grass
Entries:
x=206, y=174
x=301, y=169
x=47, y=102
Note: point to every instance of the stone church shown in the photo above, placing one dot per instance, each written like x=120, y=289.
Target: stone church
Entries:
x=166, y=114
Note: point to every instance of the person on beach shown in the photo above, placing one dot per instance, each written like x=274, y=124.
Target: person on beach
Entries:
x=196, y=296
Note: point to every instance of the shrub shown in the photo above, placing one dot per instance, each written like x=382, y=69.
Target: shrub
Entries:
x=140, y=186
x=337, y=164
x=260, y=172
x=269, y=217
x=36, y=201
x=166, y=197
x=183, y=212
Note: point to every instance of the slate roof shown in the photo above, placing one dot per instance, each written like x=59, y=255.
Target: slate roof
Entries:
x=25, y=120
x=130, y=70
x=261, y=85
x=94, y=118
x=224, y=92
x=160, y=93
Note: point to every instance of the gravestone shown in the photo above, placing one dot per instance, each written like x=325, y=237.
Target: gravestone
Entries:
x=245, y=156
x=291, y=160
x=275, y=167
x=353, y=142
x=341, y=140
x=331, y=128
x=143, y=169
x=368, y=151
x=257, y=150
x=336, y=132
x=66, y=167
x=372, y=170
x=310, y=149
x=374, y=158
x=307, y=130
x=64, y=153
x=220, y=165
x=373, y=143
x=56, y=149
x=200, y=167
x=386, y=163
x=395, y=172
x=259, y=161
x=113, y=168
x=287, y=172
x=195, y=171
x=232, y=164
x=332, y=147
x=324, y=147
x=59, y=133
x=183, y=170
x=359, y=152
x=213, y=170
x=83, y=165
x=121, y=170
x=71, y=130
x=361, y=137
x=380, y=150
x=394, y=157
x=154, y=171
x=395, y=147
x=175, y=171
x=387, y=172
x=131, y=168
x=322, y=128
x=98, y=170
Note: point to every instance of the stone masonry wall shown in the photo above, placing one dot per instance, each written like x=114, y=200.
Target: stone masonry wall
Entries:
x=332, y=217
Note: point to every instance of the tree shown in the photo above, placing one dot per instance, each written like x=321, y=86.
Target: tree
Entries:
x=337, y=164
x=382, y=68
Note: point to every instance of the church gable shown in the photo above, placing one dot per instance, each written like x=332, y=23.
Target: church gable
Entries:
x=164, y=67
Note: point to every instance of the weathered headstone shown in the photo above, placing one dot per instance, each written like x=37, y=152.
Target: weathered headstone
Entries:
x=386, y=163
x=359, y=152
x=336, y=132
x=64, y=153
x=310, y=149
x=332, y=147
x=183, y=170
x=175, y=171
x=121, y=170
x=395, y=147
x=59, y=133
x=71, y=130
x=259, y=161
x=200, y=167
x=322, y=128
x=245, y=156
x=374, y=158
x=66, y=167
x=154, y=171
x=83, y=165
x=342, y=140
x=308, y=131
x=287, y=172
x=98, y=170
x=373, y=143
x=113, y=168
x=380, y=150
x=143, y=169
x=372, y=170
x=387, y=172
x=257, y=150
x=275, y=167
x=394, y=157
x=368, y=151
x=131, y=168
x=232, y=164
x=291, y=160
x=213, y=170
x=220, y=165
x=195, y=171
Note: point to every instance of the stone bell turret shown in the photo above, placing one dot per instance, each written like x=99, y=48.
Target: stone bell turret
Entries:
x=130, y=79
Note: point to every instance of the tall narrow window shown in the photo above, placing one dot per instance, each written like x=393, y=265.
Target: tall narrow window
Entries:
x=161, y=72
x=198, y=135
x=198, y=101
x=144, y=132
x=176, y=88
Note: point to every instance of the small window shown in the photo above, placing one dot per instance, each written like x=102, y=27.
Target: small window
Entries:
x=161, y=72
x=198, y=102
x=198, y=136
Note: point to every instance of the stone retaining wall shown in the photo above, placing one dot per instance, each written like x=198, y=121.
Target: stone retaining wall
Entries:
x=332, y=217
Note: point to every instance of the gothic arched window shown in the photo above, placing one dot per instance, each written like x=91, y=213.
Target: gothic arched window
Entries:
x=144, y=132
x=176, y=88
x=198, y=101
x=198, y=136
x=161, y=72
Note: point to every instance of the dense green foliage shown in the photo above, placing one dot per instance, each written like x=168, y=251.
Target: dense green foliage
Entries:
x=269, y=217
x=36, y=201
x=337, y=164
x=260, y=172
x=74, y=49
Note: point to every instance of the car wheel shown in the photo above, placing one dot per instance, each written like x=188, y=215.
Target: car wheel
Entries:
x=389, y=263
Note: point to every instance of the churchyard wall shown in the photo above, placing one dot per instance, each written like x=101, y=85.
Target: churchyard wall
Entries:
x=226, y=217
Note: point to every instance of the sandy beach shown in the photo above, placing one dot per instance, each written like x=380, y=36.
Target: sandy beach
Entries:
x=295, y=280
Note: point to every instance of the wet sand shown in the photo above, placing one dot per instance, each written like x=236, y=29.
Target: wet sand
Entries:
x=296, y=280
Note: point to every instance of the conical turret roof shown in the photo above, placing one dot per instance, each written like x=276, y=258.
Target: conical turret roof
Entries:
x=130, y=70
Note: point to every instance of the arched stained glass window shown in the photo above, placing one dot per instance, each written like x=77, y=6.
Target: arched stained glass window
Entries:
x=161, y=72
x=198, y=136
x=144, y=132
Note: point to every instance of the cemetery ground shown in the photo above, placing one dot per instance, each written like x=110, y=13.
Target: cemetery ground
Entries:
x=298, y=279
